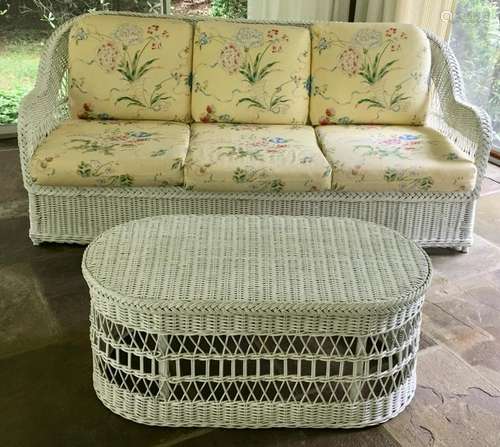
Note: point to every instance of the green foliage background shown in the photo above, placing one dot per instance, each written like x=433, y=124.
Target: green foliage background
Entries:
x=9, y=102
x=232, y=9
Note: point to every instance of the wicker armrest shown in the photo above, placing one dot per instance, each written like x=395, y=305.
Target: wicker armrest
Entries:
x=37, y=117
x=468, y=126
x=42, y=109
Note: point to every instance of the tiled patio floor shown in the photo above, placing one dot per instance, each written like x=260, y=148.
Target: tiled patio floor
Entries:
x=46, y=395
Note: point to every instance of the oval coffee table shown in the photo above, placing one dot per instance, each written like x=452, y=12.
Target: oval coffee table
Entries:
x=247, y=321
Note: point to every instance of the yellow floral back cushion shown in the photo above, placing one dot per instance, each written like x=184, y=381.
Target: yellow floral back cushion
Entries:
x=247, y=73
x=124, y=67
x=369, y=73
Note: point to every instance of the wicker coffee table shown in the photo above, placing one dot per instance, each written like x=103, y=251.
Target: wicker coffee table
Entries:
x=246, y=321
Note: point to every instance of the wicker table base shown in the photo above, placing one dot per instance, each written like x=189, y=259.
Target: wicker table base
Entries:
x=255, y=321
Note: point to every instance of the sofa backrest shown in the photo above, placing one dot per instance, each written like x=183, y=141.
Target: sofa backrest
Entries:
x=128, y=67
x=369, y=73
x=250, y=73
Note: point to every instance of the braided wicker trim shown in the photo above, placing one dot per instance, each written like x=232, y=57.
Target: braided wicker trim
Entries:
x=165, y=321
x=254, y=414
x=320, y=196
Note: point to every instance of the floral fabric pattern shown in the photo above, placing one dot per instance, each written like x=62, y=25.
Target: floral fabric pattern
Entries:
x=130, y=68
x=112, y=153
x=375, y=73
x=373, y=158
x=246, y=73
x=258, y=158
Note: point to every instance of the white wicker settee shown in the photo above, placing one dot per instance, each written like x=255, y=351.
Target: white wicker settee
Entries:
x=77, y=214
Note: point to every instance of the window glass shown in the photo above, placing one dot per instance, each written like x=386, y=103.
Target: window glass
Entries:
x=475, y=39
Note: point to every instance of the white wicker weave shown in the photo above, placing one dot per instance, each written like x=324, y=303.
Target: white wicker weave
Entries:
x=255, y=321
x=69, y=214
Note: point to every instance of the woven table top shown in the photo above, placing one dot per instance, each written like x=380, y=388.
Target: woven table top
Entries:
x=256, y=263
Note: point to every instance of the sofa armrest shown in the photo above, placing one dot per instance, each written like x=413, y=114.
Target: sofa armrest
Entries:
x=468, y=126
x=44, y=107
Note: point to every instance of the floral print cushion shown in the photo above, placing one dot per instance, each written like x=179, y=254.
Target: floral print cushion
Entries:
x=369, y=73
x=258, y=158
x=112, y=153
x=247, y=73
x=373, y=158
x=124, y=67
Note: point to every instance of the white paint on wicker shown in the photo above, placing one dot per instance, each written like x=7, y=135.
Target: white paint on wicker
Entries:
x=65, y=214
x=255, y=321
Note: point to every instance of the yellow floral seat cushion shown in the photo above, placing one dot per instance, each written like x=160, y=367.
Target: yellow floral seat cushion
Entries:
x=112, y=153
x=124, y=67
x=249, y=73
x=372, y=158
x=258, y=158
x=369, y=73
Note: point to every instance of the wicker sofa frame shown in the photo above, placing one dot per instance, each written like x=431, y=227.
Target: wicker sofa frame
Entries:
x=78, y=215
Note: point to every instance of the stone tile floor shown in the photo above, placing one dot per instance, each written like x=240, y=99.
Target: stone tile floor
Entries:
x=46, y=396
